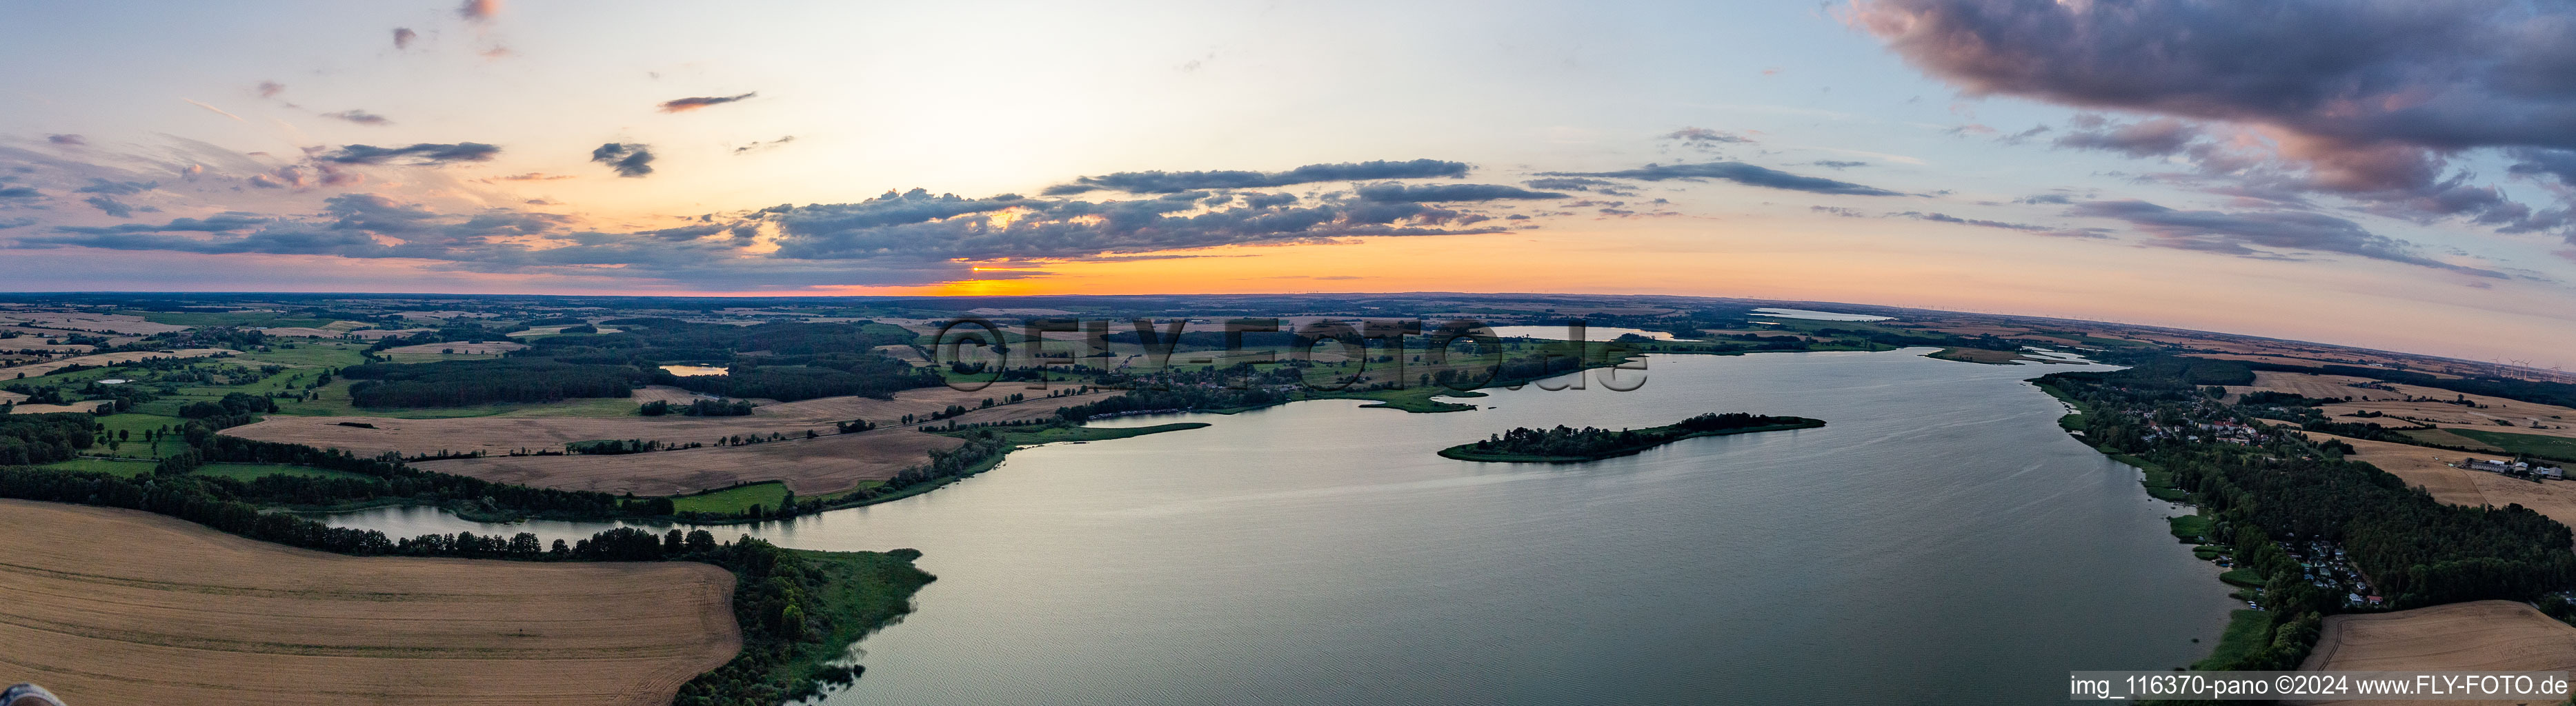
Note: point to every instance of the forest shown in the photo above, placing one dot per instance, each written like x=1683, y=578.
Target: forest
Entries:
x=462, y=383
x=2415, y=550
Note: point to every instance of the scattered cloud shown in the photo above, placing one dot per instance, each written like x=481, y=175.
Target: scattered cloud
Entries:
x=19, y=192
x=110, y=206
x=403, y=37
x=1737, y=172
x=2150, y=138
x=2239, y=233
x=529, y=176
x=1419, y=193
x=116, y=188
x=419, y=153
x=215, y=110
x=1701, y=135
x=360, y=117
x=66, y=139
x=772, y=144
x=269, y=89
x=1172, y=182
x=630, y=160
x=479, y=10
x=682, y=105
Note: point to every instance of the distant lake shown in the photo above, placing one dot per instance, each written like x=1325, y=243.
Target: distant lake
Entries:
x=690, y=370
x=1940, y=542
x=1820, y=315
x=1590, y=333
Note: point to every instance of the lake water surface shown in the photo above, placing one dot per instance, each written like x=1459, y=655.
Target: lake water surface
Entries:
x=1939, y=542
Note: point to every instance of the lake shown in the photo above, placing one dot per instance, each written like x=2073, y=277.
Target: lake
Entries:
x=1939, y=542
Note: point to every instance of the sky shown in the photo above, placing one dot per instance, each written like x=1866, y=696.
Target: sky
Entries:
x=2385, y=174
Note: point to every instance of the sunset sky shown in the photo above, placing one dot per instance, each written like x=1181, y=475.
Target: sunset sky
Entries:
x=2391, y=174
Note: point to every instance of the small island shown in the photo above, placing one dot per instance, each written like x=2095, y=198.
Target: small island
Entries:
x=1568, y=445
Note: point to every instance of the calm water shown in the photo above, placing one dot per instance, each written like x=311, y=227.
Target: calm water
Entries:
x=1941, y=542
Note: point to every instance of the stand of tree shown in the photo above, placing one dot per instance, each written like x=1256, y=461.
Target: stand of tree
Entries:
x=460, y=383
x=29, y=439
x=2416, y=551
x=1564, y=444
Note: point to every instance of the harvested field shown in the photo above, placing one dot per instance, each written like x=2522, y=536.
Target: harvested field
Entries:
x=2428, y=467
x=484, y=348
x=2410, y=405
x=109, y=606
x=302, y=332
x=75, y=321
x=814, y=466
x=503, y=434
x=2475, y=636
x=433, y=352
x=48, y=408
x=37, y=369
x=376, y=333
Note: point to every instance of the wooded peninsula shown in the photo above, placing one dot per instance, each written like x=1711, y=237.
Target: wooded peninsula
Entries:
x=1569, y=445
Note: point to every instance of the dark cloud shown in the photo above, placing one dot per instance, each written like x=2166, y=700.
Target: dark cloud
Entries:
x=1838, y=164
x=2366, y=99
x=19, y=192
x=1168, y=182
x=67, y=139
x=765, y=145
x=110, y=206
x=269, y=89
x=630, y=160
x=682, y=105
x=421, y=153
x=1737, y=172
x=1838, y=211
x=2238, y=233
x=2045, y=198
x=403, y=37
x=360, y=117
x=1391, y=191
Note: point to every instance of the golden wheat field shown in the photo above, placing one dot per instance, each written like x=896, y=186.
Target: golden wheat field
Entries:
x=2475, y=636
x=106, y=606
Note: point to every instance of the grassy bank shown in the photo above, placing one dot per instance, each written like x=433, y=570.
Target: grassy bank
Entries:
x=2247, y=631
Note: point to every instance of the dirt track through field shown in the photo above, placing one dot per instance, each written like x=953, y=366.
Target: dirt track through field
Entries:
x=106, y=606
x=2475, y=636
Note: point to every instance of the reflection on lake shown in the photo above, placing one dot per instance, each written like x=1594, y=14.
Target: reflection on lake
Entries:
x=1940, y=542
